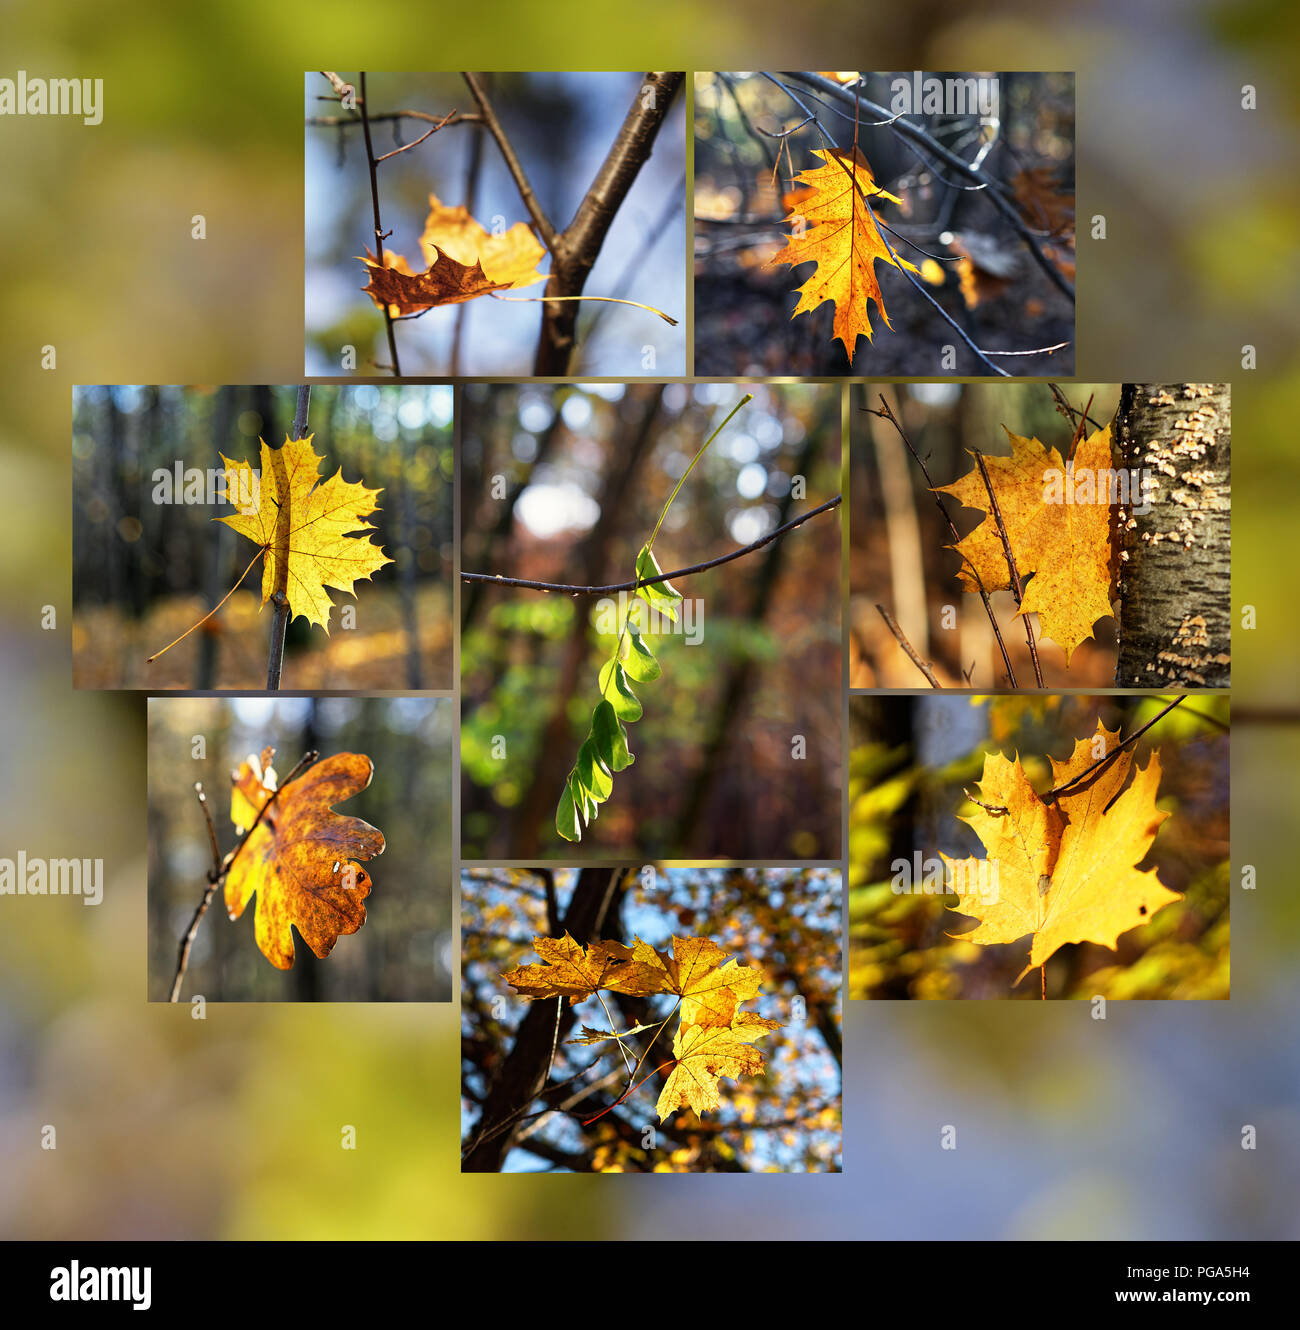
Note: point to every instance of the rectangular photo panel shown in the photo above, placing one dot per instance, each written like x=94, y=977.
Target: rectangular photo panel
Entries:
x=300, y=849
x=442, y=209
x=1035, y=535
x=659, y=1019
x=651, y=653
x=1039, y=847
x=238, y=538
x=907, y=223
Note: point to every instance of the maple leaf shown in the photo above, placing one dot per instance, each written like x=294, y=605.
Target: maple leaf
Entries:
x=306, y=526
x=1064, y=869
x=1066, y=546
x=464, y=261
x=568, y=969
x=300, y=859
x=704, y=1054
x=834, y=228
x=710, y=991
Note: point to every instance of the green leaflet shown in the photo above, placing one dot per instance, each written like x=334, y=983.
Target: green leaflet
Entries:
x=604, y=751
x=639, y=663
x=662, y=596
x=611, y=738
x=614, y=685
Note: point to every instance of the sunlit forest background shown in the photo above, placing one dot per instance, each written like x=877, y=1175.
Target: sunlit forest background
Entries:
x=785, y=922
x=144, y=571
x=898, y=539
x=911, y=760
x=585, y=471
x=754, y=134
x=402, y=953
x=560, y=125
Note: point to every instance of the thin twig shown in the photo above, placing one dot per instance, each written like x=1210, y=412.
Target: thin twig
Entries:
x=892, y=624
x=380, y=234
x=415, y=143
x=1017, y=587
x=187, y=941
x=540, y=220
x=613, y=587
x=886, y=414
x=1056, y=793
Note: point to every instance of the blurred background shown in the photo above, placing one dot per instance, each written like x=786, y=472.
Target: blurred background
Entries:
x=565, y=485
x=402, y=953
x=898, y=541
x=144, y=570
x=560, y=125
x=1070, y=1127
x=783, y=921
x=754, y=135
x=911, y=760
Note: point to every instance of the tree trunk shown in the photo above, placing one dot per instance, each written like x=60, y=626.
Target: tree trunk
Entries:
x=1175, y=619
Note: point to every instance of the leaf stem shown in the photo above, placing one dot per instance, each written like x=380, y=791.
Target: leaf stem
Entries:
x=212, y=611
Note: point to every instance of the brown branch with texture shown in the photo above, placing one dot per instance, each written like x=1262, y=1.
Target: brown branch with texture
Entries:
x=575, y=249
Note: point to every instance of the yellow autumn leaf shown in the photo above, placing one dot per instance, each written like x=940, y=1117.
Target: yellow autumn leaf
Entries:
x=312, y=531
x=710, y=991
x=1066, y=546
x=1063, y=869
x=703, y=1054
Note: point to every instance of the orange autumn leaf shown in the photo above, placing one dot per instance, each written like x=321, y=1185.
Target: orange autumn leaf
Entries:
x=311, y=530
x=703, y=1054
x=834, y=228
x=463, y=261
x=1066, y=546
x=1063, y=869
x=300, y=859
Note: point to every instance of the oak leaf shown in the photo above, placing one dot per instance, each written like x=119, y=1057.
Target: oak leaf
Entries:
x=703, y=1054
x=463, y=261
x=1066, y=545
x=1063, y=868
x=300, y=859
x=834, y=227
x=310, y=529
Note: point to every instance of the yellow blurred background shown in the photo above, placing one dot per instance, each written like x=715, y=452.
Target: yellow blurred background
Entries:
x=230, y=1127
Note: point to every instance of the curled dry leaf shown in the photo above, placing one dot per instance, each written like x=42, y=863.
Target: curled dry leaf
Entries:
x=1063, y=870
x=313, y=531
x=463, y=261
x=301, y=857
